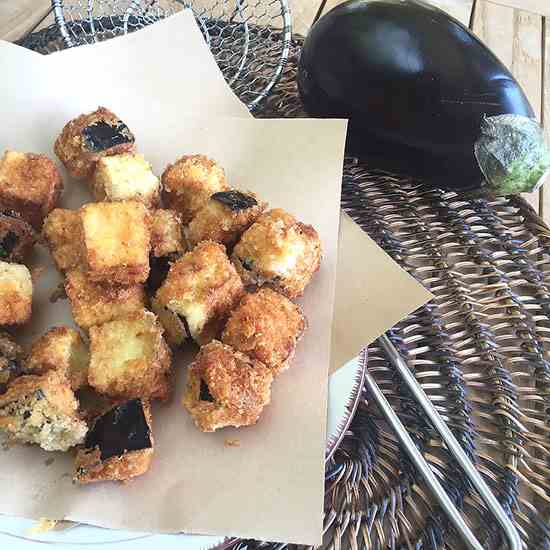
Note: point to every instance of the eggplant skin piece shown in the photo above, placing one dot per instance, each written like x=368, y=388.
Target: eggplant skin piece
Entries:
x=122, y=429
x=101, y=135
x=414, y=82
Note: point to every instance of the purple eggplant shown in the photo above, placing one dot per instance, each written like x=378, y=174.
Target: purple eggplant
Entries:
x=417, y=87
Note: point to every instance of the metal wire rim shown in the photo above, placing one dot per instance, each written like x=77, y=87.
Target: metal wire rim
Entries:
x=132, y=20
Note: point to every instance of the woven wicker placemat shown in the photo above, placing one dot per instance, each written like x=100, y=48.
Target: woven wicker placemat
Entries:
x=479, y=349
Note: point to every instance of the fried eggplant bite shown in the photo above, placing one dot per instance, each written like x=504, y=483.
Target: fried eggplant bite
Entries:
x=226, y=388
x=278, y=251
x=224, y=218
x=17, y=237
x=15, y=294
x=189, y=182
x=129, y=358
x=42, y=409
x=62, y=232
x=118, y=446
x=97, y=303
x=117, y=237
x=126, y=177
x=29, y=184
x=89, y=137
x=201, y=289
x=266, y=326
x=11, y=360
x=167, y=245
x=63, y=350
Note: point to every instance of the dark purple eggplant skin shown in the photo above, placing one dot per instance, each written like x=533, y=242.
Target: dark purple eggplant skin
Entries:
x=414, y=83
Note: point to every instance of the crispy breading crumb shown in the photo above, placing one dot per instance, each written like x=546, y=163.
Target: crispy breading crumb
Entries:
x=43, y=525
x=189, y=182
x=226, y=388
x=201, y=288
x=89, y=137
x=130, y=359
x=29, y=184
x=278, y=251
x=266, y=326
x=117, y=240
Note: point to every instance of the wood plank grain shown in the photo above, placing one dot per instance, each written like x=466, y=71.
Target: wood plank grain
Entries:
x=515, y=36
x=545, y=191
x=17, y=18
x=459, y=9
x=539, y=7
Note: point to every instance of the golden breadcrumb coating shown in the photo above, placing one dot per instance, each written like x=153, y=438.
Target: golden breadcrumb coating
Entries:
x=131, y=431
x=11, y=358
x=166, y=233
x=127, y=176
x=266, y=326
x=202, y=287
x=278, y=251
x=167, y=245
x=87, y=138
x=29, y=184
x=175, y=330
x=62, y=232
x=224, y=218
x=117, y=239
x=61, y=349
x=15, y=294
x=129, y=358
x=226, y=388
x=97, y=303
x=42, y=409
x=17, y=237
x=189, y=182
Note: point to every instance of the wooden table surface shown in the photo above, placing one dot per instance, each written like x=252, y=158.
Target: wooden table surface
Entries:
x=518, y=31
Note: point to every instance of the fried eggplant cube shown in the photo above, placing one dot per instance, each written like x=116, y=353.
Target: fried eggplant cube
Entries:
x=226, y=388
x=278, y=251
x=224, y=218
x=62, y=232
x=130, y=359
x=15, y=294
x=61, y=349
x=42, y=409
x=118, y=446
x=266, y=326
x=126, y=177
x=97, y=303
x=189, y=182
x=89, y=137
x=167, y=245
x=11, y=359
x=29, y=184
x=117, y=239
x=17, y=237
x=201, y=289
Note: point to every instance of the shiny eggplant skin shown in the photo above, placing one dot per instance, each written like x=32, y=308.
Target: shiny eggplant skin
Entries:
x=414, y=82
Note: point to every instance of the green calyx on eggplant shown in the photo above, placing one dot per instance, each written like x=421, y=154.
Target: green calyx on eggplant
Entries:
x=420, y=90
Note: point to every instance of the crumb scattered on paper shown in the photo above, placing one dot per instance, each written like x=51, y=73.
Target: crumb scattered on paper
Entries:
x=232, y=443
x=58, y=293
x=49, y=461
x=43, y=525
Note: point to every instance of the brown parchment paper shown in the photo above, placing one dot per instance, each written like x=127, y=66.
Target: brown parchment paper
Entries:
x=271, y=487
x=372, y=293
x=169, y=63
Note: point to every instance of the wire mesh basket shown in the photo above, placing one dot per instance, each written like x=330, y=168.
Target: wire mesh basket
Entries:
x=250, y=39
